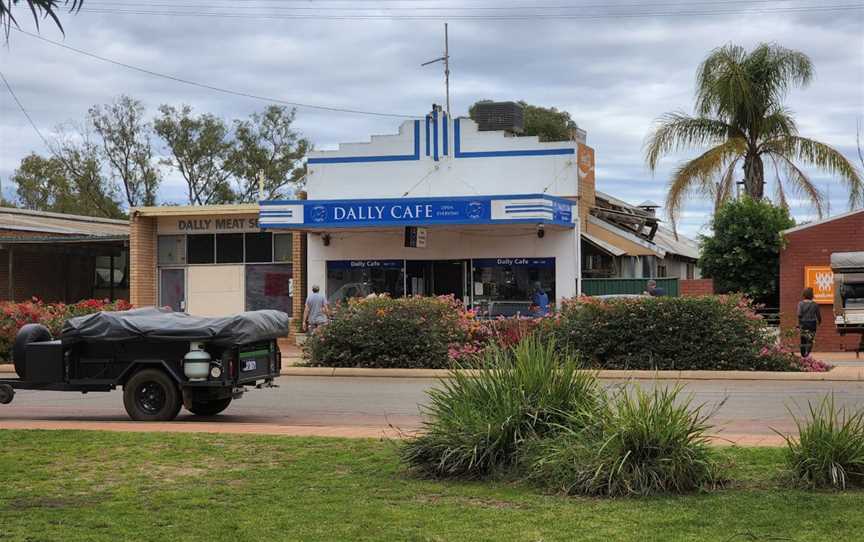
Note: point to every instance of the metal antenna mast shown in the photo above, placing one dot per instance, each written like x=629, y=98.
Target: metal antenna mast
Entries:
x=446, y=60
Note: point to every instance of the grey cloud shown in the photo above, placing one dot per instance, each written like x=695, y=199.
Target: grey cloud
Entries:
x=615, y=76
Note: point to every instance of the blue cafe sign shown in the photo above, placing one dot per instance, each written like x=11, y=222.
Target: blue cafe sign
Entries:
x=531, y=208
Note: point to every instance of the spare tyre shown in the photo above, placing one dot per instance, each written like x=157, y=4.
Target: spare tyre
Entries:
x=29, y=333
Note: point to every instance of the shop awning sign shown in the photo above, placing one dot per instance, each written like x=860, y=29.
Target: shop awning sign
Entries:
x=365, y=213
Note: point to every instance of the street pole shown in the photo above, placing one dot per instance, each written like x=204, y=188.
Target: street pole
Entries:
x=447, y=67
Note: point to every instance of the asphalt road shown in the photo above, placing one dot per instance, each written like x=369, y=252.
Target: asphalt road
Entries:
x=366, y=406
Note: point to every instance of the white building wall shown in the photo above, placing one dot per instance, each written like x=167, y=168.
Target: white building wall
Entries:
x=450, y=175
x=450, y=243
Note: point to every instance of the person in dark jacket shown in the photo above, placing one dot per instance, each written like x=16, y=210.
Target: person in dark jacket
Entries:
x=809, y=318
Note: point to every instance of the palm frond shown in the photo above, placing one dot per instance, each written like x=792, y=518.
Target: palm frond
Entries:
x=776, y=123
x=778, y=186
x=678, y=131
x=825, y=157
x=698, y=176
x=800, y=182
x=777, y=69
x=724, y=187
x=722, y=82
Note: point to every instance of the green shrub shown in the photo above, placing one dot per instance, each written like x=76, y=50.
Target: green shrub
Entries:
x=407, y=332
x=645, y=443
x=668, y=333
x=477, y=426
x=829, y=449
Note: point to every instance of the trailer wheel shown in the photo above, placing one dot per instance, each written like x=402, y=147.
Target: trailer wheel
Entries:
x=209, y=408
x=151, y=396
x=6, y=394
x=29, y=333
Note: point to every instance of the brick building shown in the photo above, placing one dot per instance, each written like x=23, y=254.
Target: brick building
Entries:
x=213, y=260
x=811, y=246
x=62, y=257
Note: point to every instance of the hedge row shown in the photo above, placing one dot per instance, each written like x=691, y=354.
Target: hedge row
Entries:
x=667, y=333
x=670, y=333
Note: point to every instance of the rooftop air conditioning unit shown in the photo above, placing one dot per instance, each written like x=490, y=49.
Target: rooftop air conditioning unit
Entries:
x=499, y=116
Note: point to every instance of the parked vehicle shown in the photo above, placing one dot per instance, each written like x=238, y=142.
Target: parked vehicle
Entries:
x=163, y=360
x=848, y=269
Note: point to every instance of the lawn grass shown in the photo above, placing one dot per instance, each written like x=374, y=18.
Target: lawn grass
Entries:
x=73, y=485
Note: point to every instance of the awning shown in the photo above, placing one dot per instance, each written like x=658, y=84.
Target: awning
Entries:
x=431, y=211
x=608, y=248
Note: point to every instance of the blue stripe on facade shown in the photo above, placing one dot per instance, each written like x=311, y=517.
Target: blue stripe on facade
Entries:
x=435, y=135
x=457, y=148
x=446, y=122
x=399, y=223
x=391, y=158
x=427, y=135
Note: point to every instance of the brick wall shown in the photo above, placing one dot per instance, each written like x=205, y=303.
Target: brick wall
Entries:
x=696, y=287
x=814, y=246
x=142, y=261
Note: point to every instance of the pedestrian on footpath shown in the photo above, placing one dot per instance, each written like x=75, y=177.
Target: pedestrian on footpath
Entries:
x=317, y=310
x=809, y=318
x=653, y=290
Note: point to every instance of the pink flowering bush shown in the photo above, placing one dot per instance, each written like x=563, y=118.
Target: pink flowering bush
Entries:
x=671, y=333
x=52, y=315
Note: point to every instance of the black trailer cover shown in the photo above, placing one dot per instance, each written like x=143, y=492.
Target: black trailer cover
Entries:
x=164, y=325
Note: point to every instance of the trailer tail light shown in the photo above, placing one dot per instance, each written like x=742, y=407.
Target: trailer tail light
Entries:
x=232, y=365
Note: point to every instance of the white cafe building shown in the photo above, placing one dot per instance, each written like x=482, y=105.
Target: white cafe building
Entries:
x=441, y=208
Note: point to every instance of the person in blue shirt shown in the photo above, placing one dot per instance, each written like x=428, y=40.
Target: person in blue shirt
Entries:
x=539, y=301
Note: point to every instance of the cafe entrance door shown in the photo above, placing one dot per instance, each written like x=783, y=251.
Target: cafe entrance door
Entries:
x=438, y=277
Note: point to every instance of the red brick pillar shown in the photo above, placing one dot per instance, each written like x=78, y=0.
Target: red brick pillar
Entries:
x=298, y=259
x=142, y=261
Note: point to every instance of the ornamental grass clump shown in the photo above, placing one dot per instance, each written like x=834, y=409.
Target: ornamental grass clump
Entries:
x=479, y=425
x=829, y=450
x=644, y=443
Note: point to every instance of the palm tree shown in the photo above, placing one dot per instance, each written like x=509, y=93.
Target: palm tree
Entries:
x=46, y=9
x=741, y=117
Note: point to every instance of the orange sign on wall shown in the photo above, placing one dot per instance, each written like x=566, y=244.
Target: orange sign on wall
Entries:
x=821, y=279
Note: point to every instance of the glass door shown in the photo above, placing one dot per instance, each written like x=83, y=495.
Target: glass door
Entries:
x=172, y=289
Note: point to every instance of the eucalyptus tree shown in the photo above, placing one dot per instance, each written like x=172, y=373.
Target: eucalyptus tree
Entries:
x=741, y=118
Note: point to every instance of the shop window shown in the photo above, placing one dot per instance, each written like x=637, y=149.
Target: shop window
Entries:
x=283, y=244
x=259, y=247
x=201, y=248
x=358, y=278
x=505, y=286
x=172, y=249
x=229, y=248
x=269, y=287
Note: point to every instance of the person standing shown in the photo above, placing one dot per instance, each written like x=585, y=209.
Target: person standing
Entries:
x=809, y=318
x=539, y=301
x=654, y=290
x=316, y=311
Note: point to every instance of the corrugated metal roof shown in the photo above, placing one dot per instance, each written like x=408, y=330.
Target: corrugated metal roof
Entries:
x=683, y=246
x=26, y=220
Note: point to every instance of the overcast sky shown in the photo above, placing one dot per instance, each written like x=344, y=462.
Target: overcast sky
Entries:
x=615, y=75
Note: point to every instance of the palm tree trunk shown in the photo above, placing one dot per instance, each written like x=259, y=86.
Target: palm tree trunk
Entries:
x=754, y=176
